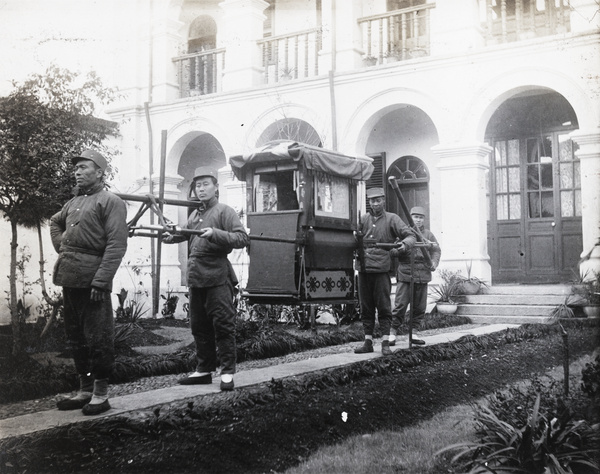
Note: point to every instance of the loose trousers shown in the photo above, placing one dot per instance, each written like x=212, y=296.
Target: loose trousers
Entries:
x=402, y=301
x=212, y=320
x=374, y=291
x=90, y=332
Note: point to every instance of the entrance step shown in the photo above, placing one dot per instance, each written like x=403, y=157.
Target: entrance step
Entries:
x=517, y=304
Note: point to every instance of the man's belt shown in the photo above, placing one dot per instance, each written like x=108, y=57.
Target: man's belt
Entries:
x=72, y=248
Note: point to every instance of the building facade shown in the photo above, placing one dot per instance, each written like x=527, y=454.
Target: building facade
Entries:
x=486, y=111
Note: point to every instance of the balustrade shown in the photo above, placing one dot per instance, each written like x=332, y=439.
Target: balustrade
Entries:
x=396, y=35
x=291, y=56
x=200, y=73
x=514, y=20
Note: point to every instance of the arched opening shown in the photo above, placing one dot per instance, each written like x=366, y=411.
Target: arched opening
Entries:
x=202, y=41
x=412, y=177
x=203, y=150
x=534, y=229
x=290, y=129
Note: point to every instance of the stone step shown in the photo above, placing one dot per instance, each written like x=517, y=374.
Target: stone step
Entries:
x=505, y=310
x=504, y=319
x=512, y=299
x=555, y=290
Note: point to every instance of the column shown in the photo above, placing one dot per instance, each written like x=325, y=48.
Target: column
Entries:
x=464, y=209
x=166, y=40
x=589, y=156
x=243, y=27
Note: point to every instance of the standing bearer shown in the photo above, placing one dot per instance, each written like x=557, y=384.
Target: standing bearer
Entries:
x=421, y=276
x=374, y=284
x=90, y=235
x=211, y=280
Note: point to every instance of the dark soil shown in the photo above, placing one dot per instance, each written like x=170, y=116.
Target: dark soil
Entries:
x=284, y=424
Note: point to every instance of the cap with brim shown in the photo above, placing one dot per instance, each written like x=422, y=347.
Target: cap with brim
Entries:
x=375, y=192
x=93, y=156
x=205, y=171
x=417, y=210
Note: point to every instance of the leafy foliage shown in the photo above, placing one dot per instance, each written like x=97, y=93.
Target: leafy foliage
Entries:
x=44, y=121
x=590, y=380
x=450, y=287
x=531, y=430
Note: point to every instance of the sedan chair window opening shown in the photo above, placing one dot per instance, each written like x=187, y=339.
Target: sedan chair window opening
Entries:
x=332, y=196
x=276, y=188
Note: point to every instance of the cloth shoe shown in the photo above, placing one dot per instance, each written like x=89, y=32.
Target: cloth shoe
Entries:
x=385, y=348
x=365, y=348
x=197, y=380
x=74, y=403
x=83, y=397
x=392, y=342
x=99, y=402
x=96, y=408
x=418, y=342
x=226, y=383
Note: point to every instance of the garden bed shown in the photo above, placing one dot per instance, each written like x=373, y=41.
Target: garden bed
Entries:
x=271, y=428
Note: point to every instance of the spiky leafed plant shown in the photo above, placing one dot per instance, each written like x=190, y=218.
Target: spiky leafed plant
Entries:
x=541, y=446
x=44, y=121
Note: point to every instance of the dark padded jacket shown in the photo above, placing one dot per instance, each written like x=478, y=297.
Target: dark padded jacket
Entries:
x=384, y=229
x=90, y=235
x=422, y=273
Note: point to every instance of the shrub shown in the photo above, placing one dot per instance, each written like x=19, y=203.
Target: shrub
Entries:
x=529, y=431
x=590, y=379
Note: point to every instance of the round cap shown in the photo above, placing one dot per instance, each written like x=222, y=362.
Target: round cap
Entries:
x=205, y=171
x=418, y=210
x=92, y=156
x=375, y=192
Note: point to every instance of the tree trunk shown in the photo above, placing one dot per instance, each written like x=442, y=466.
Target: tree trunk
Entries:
x=14, y=313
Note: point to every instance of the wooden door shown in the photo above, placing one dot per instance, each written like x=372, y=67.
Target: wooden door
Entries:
x=534, y=231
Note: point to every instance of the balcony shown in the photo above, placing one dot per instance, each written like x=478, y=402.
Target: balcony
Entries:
x=200, y=73
x=291, y=56
x=387, y=37
x=397, y=35
x=508, y=21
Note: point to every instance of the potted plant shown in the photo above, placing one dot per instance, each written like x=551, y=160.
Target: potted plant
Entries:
x=470, y=285
x=445, y=292
x=369, y=60
x=394, y=54
x=588, y=290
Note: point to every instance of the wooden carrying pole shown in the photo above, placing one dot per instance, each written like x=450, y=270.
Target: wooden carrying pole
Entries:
x=411, y=223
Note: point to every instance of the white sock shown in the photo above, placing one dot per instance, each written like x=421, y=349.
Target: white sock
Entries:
x=81, y=395
x=199, y=374
x=227, y=378
x=96, y=400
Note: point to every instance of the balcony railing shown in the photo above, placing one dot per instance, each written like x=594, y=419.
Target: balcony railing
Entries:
x=396, y=35
x=200, y=73
x=292, y=56
x=514, y=20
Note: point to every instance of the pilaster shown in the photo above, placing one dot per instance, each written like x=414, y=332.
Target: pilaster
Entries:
x=464, y=210
x=243, y=27
x=589, y=157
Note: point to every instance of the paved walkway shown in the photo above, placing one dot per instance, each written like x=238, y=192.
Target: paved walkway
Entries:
x=30, y=423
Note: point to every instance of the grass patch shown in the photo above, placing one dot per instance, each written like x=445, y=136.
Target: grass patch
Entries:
x=412, y=450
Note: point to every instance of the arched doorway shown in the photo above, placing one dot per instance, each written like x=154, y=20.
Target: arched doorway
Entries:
x=534, y=229
x=290, y=129
x=412, y=177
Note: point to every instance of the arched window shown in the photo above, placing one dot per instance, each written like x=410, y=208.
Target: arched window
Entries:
x=409, y=168
x=412, y=177
x=202, y=35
